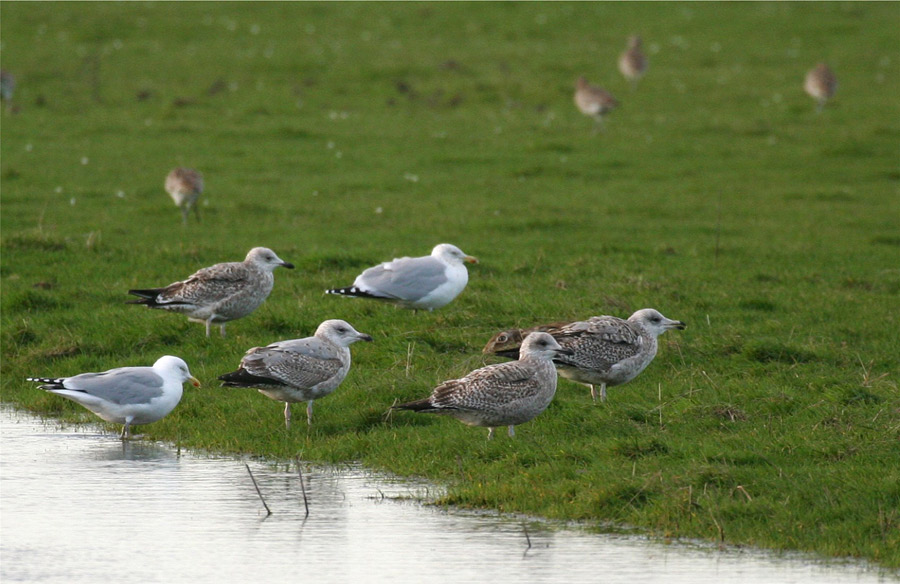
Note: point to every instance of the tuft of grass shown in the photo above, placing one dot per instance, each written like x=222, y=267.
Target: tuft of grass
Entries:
x=716, y=194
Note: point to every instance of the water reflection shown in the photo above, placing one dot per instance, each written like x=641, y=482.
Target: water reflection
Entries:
x=79, y=506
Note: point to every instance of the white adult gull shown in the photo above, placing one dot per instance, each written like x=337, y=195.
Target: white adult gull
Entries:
x=426, y=282
x=219, y=293
x=605, y=350
x=300, y=369
x=126, y=395
x=504, y=394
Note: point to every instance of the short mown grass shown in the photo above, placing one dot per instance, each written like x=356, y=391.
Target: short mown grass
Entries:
x=345, y=134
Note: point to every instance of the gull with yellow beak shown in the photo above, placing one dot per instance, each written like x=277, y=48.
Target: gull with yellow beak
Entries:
x=126, y=395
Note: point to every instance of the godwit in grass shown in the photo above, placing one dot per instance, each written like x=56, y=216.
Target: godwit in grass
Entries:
x=426, y=282
x=605, y=350
x=130, y=396
x=820, y=84
x=504, y=394
x=633, y=62
x=185, y=185
x=593, y=101
x=219, y=293
x=301, y=369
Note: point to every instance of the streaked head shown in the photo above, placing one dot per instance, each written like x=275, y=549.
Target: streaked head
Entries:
x=341, y=333
x=541, y=345
x=654, y=322
x=266, y=259
x=451, y=253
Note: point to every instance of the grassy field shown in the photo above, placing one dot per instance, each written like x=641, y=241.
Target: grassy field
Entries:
x=341, y=135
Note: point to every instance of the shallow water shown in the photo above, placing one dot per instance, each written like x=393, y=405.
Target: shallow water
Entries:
x=79, y=506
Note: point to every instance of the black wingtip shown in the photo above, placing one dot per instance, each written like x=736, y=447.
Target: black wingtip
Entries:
x=147, y=297
x=48, y=383
x=352, y=291
x=420, y=405
x=241, y=378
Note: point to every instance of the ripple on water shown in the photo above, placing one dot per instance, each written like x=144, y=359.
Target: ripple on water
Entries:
x=78, y=506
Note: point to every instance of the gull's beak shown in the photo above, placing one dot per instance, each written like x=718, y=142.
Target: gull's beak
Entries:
x=365, y=337
x=194, y=381
x=676, y=324
x=470, y=259
x=565, y=352
x=288, y=265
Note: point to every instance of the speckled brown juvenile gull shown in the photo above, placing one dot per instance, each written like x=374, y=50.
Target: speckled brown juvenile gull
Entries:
x=820, y=84
x=185, y=185
x=426, y=282
x=593, y=101
x=633, y=62
x=126, y=395
x=300, y=369
x=606, y=350
x=219, y=293
x=505, y=394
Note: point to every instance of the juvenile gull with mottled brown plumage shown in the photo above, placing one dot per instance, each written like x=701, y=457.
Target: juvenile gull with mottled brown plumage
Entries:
x=219, y=293
x=300, y=369
x=606, y=350
x=505, y=394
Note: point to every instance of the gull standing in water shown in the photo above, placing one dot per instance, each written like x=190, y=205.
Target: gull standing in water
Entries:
x=126, y=395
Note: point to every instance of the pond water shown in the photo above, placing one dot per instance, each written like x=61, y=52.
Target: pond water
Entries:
x=77, y=505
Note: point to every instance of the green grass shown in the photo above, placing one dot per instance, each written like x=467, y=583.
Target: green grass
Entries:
x=345, y=134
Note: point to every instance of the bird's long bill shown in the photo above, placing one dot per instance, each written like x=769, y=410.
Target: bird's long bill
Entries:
x=194, y=381
x=287, y=265
x=365, y=337
x=470, y=259
x=676, y=324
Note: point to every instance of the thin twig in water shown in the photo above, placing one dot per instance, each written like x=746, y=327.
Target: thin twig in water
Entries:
x=258, y=492
x=303, y=488
x=527, y=538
